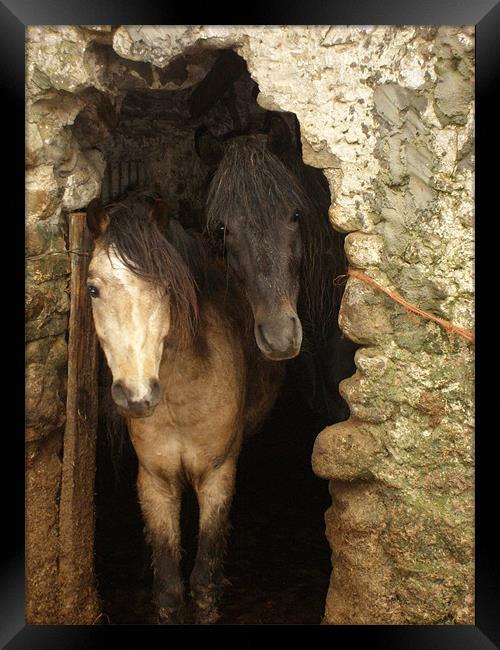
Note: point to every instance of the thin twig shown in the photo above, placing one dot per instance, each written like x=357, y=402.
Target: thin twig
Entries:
x=69, y=252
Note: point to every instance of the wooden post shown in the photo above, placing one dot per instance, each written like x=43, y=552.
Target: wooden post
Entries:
x=79, y=603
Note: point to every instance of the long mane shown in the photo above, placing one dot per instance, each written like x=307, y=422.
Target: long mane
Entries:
x=176, y=264
x=253, y=181
x=324, y=260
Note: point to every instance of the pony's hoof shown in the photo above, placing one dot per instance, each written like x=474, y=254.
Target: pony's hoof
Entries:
x=169, y=616
x=206, y=616
x=204, y=604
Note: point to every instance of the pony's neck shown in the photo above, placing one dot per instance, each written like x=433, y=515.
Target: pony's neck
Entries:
x=192, y=250
x=218, y=299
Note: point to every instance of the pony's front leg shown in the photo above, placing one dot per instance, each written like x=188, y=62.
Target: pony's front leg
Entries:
x=160, y=503
x=214, y=492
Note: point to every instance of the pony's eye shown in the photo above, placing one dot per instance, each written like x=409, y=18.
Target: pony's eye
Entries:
x=220, y=229
x=94, y=291
x=296, y=215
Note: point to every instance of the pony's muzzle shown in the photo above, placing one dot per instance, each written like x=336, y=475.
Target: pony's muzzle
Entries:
x=133, y=404
x=279, y=337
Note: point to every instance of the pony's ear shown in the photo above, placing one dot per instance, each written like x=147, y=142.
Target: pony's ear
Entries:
x=209, y=148
x=97, y=218
x=279, y=138
x=161, y=213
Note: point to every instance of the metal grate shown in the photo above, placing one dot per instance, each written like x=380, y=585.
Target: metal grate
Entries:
x=120, y=177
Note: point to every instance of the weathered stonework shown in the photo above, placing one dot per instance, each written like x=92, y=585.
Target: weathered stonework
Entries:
x=387, y=113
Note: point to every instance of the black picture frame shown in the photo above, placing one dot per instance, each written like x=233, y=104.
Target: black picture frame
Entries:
x=15, y=16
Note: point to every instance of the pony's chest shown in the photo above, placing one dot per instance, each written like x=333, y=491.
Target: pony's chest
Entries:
x=186, y=394
x=199, y=405
x=202, y=390
x=183, y=438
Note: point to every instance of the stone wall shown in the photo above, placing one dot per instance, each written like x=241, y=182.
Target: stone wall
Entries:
x=56, y=167
x=387, y=113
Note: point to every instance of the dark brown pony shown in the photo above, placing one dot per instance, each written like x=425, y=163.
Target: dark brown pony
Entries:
x=186, y=376
x=269, y=212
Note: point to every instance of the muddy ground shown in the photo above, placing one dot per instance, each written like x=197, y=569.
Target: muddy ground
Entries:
x=278, y=559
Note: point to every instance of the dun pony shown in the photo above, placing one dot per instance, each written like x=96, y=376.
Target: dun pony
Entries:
x=187, y=378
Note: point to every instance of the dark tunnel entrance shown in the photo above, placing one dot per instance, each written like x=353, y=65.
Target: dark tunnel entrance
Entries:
x=278, y=559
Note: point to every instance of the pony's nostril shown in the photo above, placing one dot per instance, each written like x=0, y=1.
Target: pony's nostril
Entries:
x=297, y=329
x=155, y=390
x=263, y=336
x=119, y=394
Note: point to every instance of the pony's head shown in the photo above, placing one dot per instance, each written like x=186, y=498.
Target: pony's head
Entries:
x=142, y=293
x=255, y=205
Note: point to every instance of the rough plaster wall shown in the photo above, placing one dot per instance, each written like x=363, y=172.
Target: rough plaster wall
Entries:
x=387, y=112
